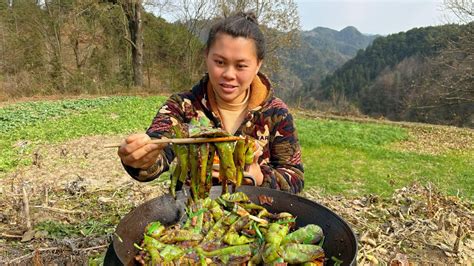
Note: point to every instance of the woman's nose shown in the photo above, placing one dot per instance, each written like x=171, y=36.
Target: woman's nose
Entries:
x=229, y=73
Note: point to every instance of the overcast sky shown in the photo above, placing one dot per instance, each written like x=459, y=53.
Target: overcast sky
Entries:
x=371, y=16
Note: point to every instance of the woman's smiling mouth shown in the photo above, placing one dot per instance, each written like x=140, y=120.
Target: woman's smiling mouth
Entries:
x=228, y=88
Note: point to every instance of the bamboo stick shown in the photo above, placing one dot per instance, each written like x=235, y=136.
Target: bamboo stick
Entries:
x=183, y=141
x=26, y=208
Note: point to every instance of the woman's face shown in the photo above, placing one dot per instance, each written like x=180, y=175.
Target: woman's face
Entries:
x=232, y=65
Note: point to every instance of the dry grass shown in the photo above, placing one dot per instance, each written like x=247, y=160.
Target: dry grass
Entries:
x=78, y=181
x=417, y=225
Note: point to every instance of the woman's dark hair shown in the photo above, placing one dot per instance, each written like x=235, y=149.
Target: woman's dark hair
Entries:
x=241, y=24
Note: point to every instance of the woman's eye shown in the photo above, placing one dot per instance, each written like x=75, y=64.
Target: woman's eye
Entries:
x=219, y=62
x=241, y=66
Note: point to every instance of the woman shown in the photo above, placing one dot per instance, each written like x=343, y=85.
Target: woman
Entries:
x=235, y=96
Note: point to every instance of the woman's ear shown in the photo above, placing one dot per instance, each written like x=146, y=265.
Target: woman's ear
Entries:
x=259, y=64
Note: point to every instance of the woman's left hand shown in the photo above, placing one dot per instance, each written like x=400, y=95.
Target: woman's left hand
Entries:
x=254, y=168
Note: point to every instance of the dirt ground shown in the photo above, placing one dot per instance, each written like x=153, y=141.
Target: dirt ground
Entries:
x=82, y=188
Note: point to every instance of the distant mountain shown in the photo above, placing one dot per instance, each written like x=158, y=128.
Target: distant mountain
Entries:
x=347, y=41
x=424, y=74
x=320, y=52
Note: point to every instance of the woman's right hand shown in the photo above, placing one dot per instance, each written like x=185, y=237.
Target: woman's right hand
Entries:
x=135, y=151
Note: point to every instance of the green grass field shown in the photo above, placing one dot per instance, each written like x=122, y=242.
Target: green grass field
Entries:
x=354, y=158
x=340, y=157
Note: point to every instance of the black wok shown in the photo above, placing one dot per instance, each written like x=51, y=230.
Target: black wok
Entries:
x=339, y=242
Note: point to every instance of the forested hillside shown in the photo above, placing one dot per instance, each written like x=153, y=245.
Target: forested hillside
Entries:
x=424, y=74
x=320, y=52
x=68, y=47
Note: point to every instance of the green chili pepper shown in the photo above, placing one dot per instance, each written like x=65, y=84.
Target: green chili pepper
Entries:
x=181, y=152
x=171, y=252
x=151, y=242
x=183, y=155
x=309, y=234
x=203, y=174
x=180, y=235
x=227, y=168
x=219, y=228
x=154, y=229
x=252, y=206
x=199, y=223
x=210, y=162
x=152, y=247
x=234, y=239
x=249, y=150
x=276, y=233
x=239, y=160
x=299, y=253
x=238, y=251
x=273, y=238
x=194, y=169
x=286, y=221
x=216, y=210
x=235, y=197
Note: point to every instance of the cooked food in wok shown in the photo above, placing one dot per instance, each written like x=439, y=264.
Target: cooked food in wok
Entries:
x=231, y=229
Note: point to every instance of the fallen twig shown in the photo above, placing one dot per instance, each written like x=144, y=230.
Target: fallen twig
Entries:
x=30, y=255
x=10, y=236
x=92, y=248
x=59, y=210
x=26, y=206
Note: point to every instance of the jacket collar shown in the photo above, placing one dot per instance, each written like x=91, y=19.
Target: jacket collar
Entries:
x=260, y=92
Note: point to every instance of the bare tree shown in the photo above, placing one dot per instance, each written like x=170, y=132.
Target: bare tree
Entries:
x=195, y=15
x=52, y=26
x=463, y=10
x=133, y=10
x=279, y=19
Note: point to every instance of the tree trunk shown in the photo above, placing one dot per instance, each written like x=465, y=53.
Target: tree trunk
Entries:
x=133, y=11
x=135, y=26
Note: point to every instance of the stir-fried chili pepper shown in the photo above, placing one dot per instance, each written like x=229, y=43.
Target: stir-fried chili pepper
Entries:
x=235, y=197
x=239, y=160
x=152, y=247
x=194, y=169
x=227, y=168
x=181, y=151
x=252, y=206
x=232, y=236
x=180, y=235
x=151, y=242
x=250, y=148
x=199, y=223
x=238, y=251
x=203, y=173
x=216, y=210
x=154, y=229
x=218, y=230
x=273, y=238
x=309, y=234
x=208, y=183
x=170, y=253
x=299, y=253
